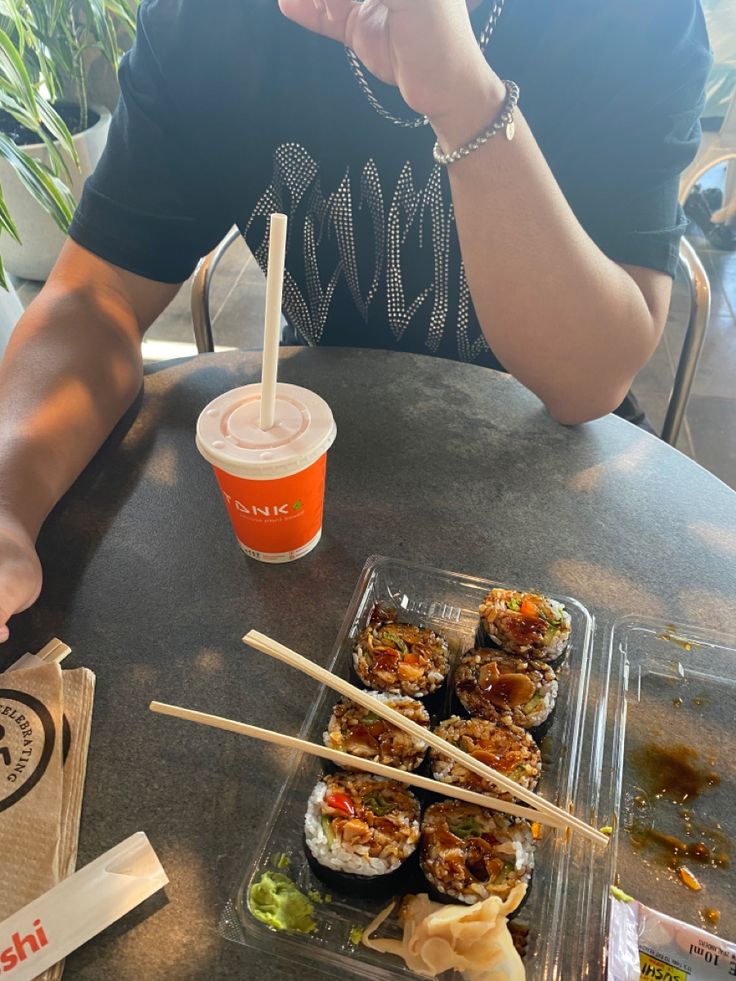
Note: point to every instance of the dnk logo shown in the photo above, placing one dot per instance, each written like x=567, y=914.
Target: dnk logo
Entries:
x=268, y=511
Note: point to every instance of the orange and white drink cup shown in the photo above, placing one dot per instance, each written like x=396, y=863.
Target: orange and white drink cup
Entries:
x=272, y=481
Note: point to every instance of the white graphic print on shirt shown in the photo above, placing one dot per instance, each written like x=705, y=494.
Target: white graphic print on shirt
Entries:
x=423, y=212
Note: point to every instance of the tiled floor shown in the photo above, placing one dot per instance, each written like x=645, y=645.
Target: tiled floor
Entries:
x=709, y=431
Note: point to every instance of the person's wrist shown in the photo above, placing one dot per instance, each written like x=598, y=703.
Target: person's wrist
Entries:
x=472, y=104
x=12, y=525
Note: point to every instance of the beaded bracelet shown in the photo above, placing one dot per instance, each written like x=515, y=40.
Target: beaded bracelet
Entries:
x=504, y=121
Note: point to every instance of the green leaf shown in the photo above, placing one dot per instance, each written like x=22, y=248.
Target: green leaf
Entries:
x=14, y=13
x=9, y=102
x=45, y=47
x=60, y=132
x=50, y=192
x=13, y=68
x=6, y=222
x=52, y=130
x=7, y=225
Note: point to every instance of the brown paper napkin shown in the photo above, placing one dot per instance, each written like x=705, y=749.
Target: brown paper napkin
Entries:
x=45, y=722
x=79, y=688
x=31, y=729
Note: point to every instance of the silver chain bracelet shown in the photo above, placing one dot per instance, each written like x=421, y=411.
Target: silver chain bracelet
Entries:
x=504, y=121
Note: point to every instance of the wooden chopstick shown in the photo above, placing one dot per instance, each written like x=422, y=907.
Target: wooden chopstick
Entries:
x=354, y=762
x=271, y=647
x=54, y=652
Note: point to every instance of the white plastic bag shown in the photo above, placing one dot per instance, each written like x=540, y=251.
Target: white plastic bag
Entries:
x=646, y=944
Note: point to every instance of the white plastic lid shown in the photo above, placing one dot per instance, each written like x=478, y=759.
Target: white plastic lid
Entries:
x=230, y=438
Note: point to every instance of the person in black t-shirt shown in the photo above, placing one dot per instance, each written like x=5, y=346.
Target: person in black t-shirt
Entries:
x=549, y=254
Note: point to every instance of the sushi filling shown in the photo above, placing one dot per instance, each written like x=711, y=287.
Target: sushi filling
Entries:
x=505, y=688
x=399, y=657
x=505, y=747
x=469, y=853
x=361, y=824
x=526, y=623
x=355, y=730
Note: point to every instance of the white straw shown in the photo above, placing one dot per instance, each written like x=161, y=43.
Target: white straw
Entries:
x=272, y=322
x=347, y=761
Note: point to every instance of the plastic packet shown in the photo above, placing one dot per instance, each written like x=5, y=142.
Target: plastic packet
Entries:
x=646, y=944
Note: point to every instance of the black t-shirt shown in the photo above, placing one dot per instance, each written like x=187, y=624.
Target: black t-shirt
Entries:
x=229, y=112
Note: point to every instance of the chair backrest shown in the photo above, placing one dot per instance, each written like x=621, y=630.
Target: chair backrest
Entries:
x=199, y=300
x=696, y=277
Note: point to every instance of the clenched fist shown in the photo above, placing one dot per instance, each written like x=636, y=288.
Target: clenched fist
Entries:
x=425, y=47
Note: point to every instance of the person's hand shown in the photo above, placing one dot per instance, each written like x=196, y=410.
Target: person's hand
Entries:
x=425, y=47
x=20, y=574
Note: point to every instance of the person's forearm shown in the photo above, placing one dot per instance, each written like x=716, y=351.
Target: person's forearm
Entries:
x=564, y=319
x=71, y=369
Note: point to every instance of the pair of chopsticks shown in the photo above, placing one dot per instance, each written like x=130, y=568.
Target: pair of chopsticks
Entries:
x=347, y=760
x=541, y=811
x=54, y=652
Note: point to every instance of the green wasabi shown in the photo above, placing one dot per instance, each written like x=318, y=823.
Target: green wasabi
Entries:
x=276, y=901
x=356, y=935
x=620, y=894
x=318, y=898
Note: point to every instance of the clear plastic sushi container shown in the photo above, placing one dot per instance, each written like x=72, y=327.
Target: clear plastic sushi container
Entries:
x=448, y=603
x=665, y=764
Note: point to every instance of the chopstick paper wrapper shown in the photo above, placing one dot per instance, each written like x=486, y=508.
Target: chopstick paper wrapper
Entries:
x=80, y=907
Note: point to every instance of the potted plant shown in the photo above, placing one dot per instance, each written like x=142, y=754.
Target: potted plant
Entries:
x=20, y=103
x=59, y=46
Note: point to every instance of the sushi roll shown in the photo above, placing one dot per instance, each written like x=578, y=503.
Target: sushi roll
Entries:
x=469, y=853
x=505, y=687
x=354, y=729
x=526, y=623
x=359, y=830
x=399, y=657
x=506, y=747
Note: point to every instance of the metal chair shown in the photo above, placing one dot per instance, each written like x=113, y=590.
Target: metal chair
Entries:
x=199, y=299
x=692, y=344
x=715, y=149
x=690, y=265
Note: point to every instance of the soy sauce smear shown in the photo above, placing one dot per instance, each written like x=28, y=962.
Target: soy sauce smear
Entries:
x=674, y=772
x=672, y=779
x=705, y=849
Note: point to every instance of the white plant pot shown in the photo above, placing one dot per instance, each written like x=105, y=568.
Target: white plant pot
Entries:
x=10, y=310
x=41, y=238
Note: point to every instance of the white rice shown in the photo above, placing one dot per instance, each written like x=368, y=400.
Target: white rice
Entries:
x=393, y=699
x=522, y=851
x=337, y=856
x=548, y=703
x=428, y=683
x=517, y=846
x=546, y=652
x=509, y=715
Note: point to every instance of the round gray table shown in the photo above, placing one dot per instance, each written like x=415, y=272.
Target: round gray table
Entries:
x=441, y=463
